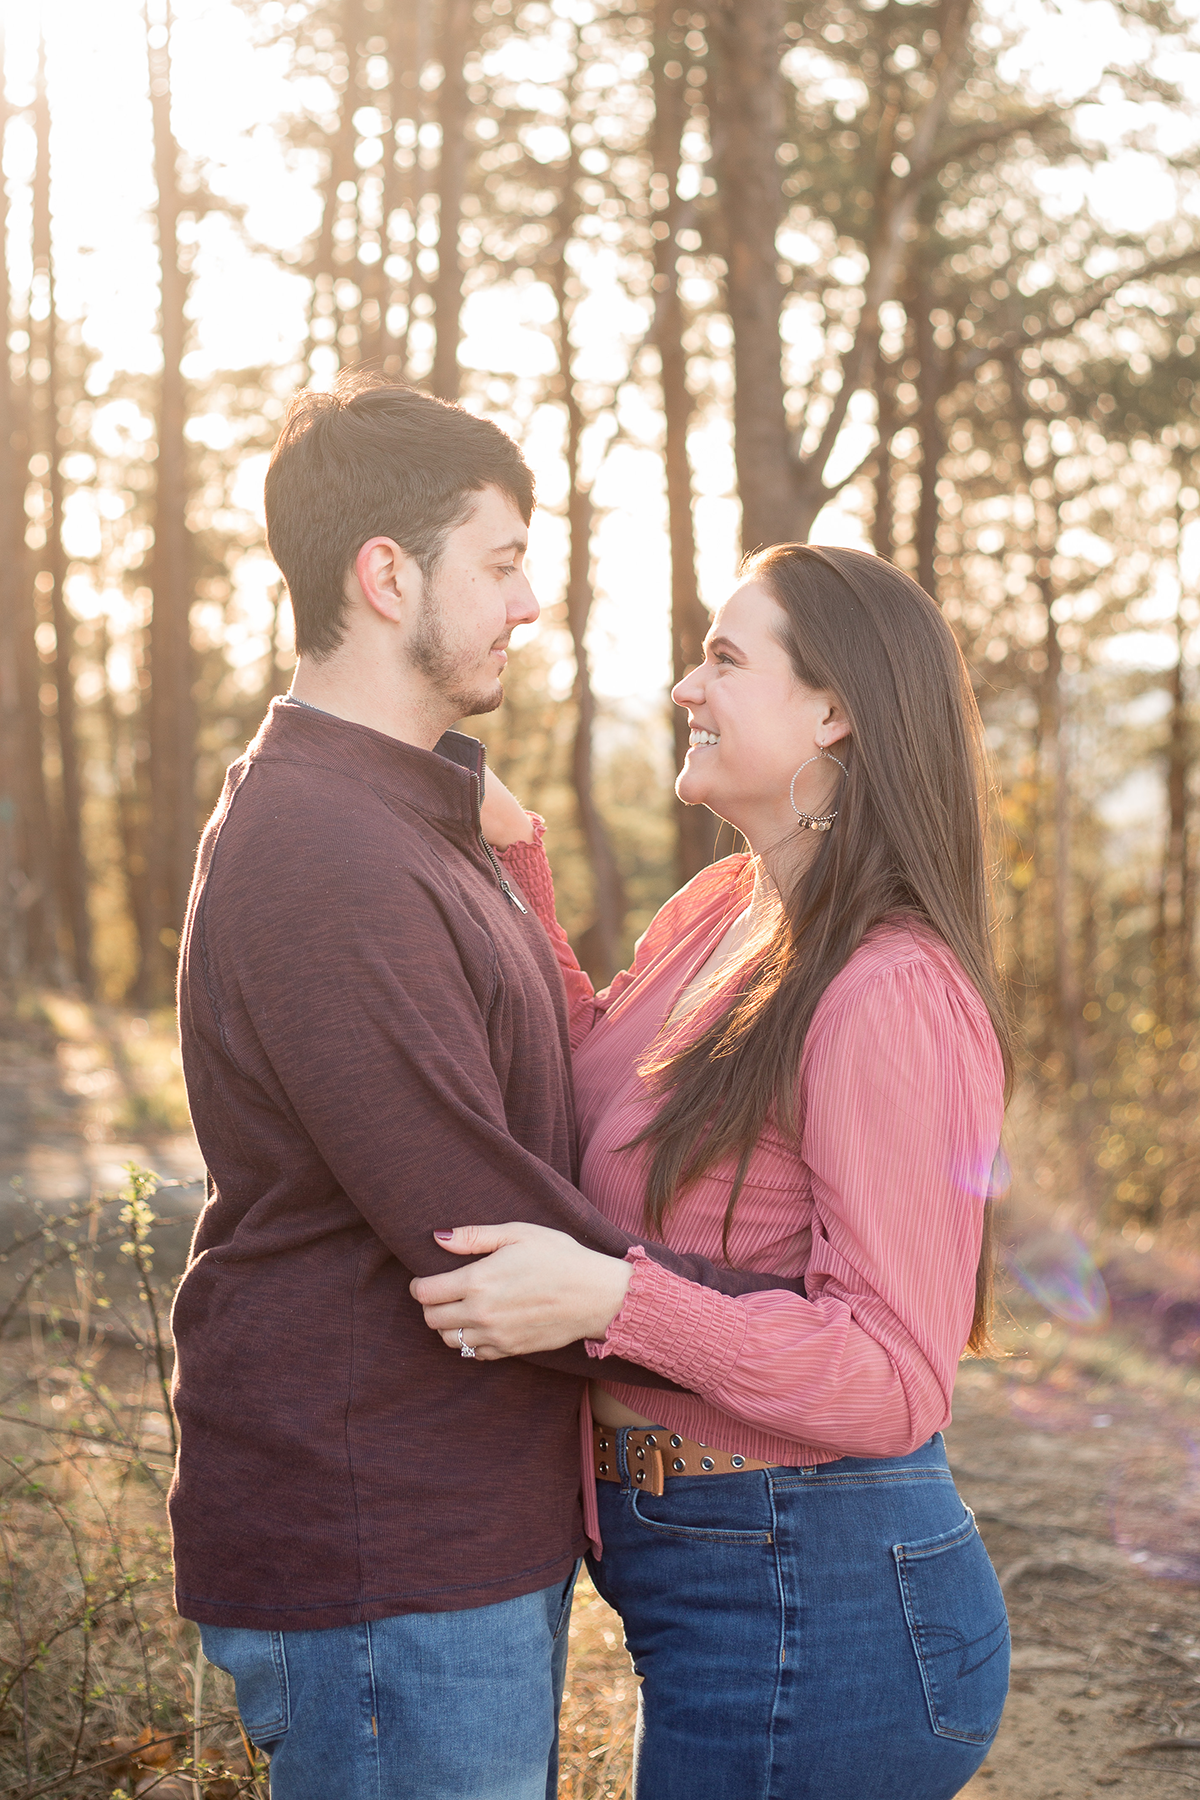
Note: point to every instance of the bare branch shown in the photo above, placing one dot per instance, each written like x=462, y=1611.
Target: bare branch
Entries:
x=1090, y=302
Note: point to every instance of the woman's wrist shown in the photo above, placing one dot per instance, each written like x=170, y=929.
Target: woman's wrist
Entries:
x=689, y=1333
x=612, y=1286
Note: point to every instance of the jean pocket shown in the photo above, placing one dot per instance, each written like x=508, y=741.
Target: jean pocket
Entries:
x=959, y=1631
x=257, y=1662
x=693, y=1510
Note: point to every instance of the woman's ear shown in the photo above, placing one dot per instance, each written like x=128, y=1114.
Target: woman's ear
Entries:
x=834, y=726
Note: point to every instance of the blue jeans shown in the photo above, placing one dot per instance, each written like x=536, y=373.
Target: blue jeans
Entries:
x=422, y=1706
x=834, y=1633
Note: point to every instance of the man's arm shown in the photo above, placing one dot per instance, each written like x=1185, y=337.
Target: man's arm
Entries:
x=365, y=1012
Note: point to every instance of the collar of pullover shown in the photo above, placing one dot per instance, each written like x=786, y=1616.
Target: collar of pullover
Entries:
x=444, y=785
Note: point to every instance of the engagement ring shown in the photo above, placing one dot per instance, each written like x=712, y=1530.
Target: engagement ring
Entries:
x=464, y=1349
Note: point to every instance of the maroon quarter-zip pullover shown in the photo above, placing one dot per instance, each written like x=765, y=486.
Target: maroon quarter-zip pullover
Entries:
x=375, y=1045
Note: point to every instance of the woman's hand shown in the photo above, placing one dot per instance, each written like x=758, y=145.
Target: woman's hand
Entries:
x=535, y=1289
x=502, y=819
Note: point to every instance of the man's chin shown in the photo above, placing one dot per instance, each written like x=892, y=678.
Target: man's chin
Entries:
x=482, y=700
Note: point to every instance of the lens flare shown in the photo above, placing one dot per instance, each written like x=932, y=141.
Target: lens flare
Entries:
x=1154, y=1506
x=985, y=1176
x=1056, y=1267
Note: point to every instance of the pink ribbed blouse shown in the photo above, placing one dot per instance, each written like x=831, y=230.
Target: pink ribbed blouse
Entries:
x=879, y=1205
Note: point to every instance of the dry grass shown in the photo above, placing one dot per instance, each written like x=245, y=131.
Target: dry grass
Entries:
x=99, y=1679
x=103, y=1691
x=599, y=1704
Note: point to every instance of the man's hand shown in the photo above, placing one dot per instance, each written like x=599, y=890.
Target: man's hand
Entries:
x=502, y=819
x=535, y=1289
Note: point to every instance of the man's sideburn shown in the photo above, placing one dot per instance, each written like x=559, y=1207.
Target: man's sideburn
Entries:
x=429, y=650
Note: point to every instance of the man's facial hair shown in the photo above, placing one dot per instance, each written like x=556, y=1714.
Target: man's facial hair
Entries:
x=431, y=653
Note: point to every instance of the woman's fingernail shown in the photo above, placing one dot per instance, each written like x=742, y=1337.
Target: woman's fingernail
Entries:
x=443, y=1237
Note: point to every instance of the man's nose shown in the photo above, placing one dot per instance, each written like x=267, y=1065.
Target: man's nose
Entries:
x=523, y=607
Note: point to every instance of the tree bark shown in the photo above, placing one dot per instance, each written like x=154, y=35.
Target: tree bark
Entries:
x=883, y=525
x=1176, y=919
x=598, y=946
x=27, y=894
x=323, y=267
x=123, y=766
x=695, y=826
x=931, y=386
x=746, y=112
x=408, y=46
x=173, y=824
x=453, y=115
x=1058, y=776
x=70, y=856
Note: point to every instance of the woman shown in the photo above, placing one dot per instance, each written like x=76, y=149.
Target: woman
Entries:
x=804, y=1071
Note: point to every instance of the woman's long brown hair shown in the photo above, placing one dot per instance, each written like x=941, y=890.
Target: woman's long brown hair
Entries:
x=909, y=840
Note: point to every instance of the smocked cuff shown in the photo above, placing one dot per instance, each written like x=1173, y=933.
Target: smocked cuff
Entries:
x=529, y=864
x=688, y=1333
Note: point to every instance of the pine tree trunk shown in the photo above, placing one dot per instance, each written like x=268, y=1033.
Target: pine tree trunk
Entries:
x=407, y=51
x=598, y=946
x=696, y=827
x=25, y=934
x=70, y=856
x=173, y=823
x=746, y=111
x=883, y=525
x=1176, y=904
x=1057, y=777
x=28, y=908
x=122, y=762
x=931, y=385
x=453, y=114
x=323, y=267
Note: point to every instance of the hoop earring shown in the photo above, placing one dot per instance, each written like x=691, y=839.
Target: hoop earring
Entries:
x=813, y=821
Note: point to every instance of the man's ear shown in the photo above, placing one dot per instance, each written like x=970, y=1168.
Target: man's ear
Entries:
x=387, y=578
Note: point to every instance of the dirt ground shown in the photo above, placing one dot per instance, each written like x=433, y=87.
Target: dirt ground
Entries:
x=1079, y=1456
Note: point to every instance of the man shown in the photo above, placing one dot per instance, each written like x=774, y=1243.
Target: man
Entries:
x=377, y=1537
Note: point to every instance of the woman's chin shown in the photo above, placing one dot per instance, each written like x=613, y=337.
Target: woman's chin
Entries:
x=691, y=788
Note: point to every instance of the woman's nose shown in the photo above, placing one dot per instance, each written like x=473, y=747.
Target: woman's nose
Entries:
x=690, y=691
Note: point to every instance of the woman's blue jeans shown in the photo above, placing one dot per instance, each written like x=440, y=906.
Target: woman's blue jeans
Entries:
x=833, y=1633
x=422, y=1706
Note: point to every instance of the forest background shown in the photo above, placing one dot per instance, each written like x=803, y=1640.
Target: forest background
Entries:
x=919, y=277
x=922, y=278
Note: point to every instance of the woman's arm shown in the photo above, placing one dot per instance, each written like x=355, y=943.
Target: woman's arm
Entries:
x=902, y=1091
x=903, y=1103
x=518, y=838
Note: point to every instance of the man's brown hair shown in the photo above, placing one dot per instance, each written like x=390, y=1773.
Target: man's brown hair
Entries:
x=374, y=459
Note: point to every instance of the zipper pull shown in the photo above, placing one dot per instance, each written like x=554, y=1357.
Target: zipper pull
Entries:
x=504, y=887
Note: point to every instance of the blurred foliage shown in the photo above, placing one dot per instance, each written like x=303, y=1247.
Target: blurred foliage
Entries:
x=1019, y=428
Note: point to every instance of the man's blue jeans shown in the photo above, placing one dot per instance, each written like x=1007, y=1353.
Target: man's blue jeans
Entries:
x=833, y=1633
x=422, y=1706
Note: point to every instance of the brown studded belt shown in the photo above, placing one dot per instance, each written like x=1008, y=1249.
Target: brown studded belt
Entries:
x=653, y=1456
